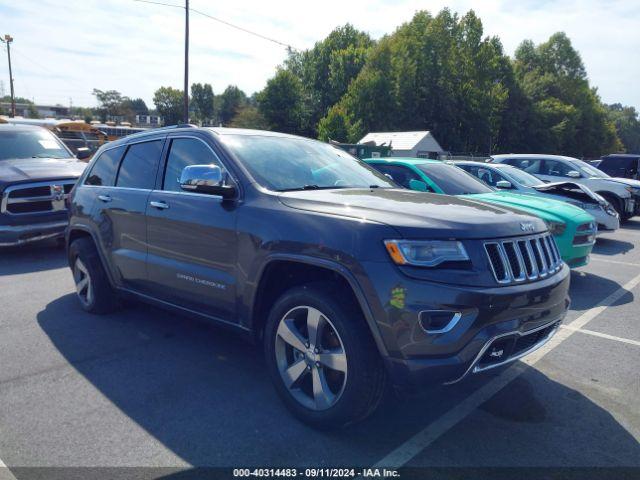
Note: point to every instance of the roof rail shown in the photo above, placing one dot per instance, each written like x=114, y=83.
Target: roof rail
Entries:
x=159, y=129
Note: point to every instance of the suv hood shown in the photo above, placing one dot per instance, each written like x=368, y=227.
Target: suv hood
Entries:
x=543, y=207
x=624, y=181
x=36, y=169
x=573, y=190
x=417, y=214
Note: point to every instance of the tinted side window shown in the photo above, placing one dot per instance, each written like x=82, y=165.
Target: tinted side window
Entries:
x=530, y=165
x=490, y=177
x=401, y=175
x=104, y=169
x=555, y=169
x=185, y=152
x=139, y=166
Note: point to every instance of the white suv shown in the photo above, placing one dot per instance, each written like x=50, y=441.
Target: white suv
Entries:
x=622, y=193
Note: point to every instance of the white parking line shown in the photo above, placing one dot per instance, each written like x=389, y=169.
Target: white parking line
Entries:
x=416, y=444
x=604, y=258
x=5, y=473
x=602, y=335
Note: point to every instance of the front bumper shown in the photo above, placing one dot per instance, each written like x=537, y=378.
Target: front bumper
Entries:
x=605, y=221
x=511, y=313
x=13, y=235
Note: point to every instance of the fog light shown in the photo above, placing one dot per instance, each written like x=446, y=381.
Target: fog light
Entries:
x=439, y=321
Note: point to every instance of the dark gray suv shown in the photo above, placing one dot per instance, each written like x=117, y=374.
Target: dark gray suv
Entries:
x=349, y=282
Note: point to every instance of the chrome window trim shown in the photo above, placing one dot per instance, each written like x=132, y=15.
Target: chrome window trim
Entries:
x=226, y=170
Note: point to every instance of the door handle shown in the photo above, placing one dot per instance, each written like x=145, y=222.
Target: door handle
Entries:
x=159, y=205
x=104, y=198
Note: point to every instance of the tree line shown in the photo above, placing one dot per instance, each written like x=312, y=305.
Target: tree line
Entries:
x=437, y=73
x=440, y=73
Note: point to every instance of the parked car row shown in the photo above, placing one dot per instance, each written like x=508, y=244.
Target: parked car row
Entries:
x=622, y=193
x=573, y=229
x=352, y=276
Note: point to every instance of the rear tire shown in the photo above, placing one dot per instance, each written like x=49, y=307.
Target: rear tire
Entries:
x=92, y=284
x=331, y=378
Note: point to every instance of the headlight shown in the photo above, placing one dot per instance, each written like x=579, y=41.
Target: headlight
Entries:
x=556, y=228
x=425, y=253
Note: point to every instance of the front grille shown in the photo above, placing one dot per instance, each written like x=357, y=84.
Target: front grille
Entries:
x=510, y=347
x=40, y=197
x=522, y=259
x=526, y=341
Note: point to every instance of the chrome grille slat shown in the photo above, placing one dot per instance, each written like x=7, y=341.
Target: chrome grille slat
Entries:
x=523, y=258
x=19, y=199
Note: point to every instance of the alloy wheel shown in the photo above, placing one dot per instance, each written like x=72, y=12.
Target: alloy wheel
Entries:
x=311, y=358
x=82, y=278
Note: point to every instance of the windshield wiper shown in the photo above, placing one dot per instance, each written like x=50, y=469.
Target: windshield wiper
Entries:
x=308, y=187
x=325, y=187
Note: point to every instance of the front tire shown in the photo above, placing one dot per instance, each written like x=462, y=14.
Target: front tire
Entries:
x=321, y=357
x=618, y=205
x=93, y=290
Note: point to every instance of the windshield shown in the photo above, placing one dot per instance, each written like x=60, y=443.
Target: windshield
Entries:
x=285, y=163
x=523, y=178
x=38, y=143
x=589, y=170
x=453, y=180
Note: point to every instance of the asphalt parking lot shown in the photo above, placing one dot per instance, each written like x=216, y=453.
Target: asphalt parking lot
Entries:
x=145, y=388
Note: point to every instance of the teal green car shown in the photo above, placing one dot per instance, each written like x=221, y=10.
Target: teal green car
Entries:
x=573, y=229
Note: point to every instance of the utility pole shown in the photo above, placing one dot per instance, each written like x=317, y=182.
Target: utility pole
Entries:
x=8, y=39
x=186, y=62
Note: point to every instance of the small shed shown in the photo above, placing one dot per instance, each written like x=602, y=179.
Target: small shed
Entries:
x=406, y=144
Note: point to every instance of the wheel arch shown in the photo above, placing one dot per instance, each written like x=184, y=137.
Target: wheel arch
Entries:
x=297, y=268
x=74, y=232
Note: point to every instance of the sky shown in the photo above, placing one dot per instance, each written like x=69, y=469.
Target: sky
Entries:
x=62, y=50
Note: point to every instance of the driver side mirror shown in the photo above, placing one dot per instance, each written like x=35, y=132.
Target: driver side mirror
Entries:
x=573, y=174
x=83, y=153
x=205, y=179
x=418, y=185
x=504, y=184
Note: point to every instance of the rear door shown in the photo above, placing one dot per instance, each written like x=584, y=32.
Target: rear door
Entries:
x=534, y=166
x=192, y=236
x=120, y=211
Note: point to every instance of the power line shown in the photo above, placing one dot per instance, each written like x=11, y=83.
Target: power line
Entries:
x=224, y=22
x=42, y=67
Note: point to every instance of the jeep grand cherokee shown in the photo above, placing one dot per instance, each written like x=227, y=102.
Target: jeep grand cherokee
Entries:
x=348, y=281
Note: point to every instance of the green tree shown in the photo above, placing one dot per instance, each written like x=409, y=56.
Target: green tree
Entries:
x=327, y=69
x=230, y=101
x=111, y=103
x=434, y=73
x=249, y=117
x=336, y=126
x=281, y=102
x=627, y=126
x=169, y=104
x=570, y=117
x=138, y=106
x=202, y=103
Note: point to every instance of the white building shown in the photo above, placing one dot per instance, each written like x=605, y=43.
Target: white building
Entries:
x=406, y=144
